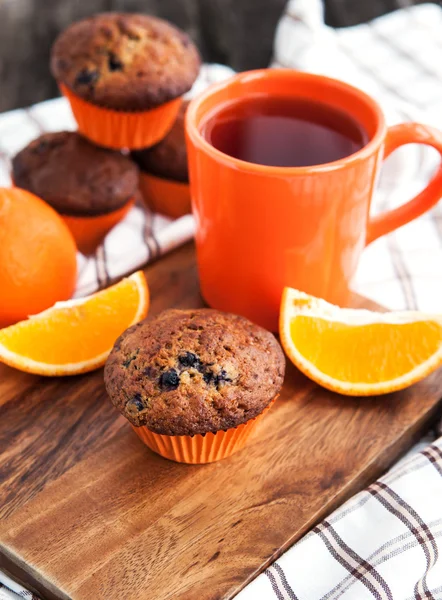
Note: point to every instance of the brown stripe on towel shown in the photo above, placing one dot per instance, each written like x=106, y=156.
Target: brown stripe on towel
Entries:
x=274, y=584
x=289, y=593
x=434, y=455
x=410, y=518
x=103, y=278
x=153, y=247
x=357, y=567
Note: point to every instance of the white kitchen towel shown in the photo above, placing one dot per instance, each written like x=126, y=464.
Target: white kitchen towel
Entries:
x=142, y=235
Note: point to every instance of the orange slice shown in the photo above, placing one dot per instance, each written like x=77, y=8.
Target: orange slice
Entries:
x=358, y=352
x=75, y=336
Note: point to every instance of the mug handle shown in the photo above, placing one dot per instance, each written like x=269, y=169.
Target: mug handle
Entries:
x=399, y=135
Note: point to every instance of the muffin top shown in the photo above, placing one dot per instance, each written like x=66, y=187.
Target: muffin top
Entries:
x=74, y=176
x=125, y=61
x=189, y=372
x=168, y=158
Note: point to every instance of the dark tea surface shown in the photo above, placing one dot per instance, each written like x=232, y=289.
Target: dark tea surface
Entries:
x=283, y=132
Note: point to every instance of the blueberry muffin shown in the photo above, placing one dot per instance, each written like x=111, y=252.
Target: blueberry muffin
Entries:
x=168, y=158
x=129, y=62
x=190, y=372
x=74, y=176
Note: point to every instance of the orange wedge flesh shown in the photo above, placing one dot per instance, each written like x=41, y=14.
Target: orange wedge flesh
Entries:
x=75, y=336
x=358, y=352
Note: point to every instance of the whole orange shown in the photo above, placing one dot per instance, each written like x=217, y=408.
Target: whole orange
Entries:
x=38, y=265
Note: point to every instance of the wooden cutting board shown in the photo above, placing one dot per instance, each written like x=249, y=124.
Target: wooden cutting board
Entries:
x=89, y=513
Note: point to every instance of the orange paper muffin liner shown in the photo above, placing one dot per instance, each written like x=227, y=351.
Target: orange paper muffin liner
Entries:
x=119, y=129
x=165, y=196
x=89, y=232
x=200, y=449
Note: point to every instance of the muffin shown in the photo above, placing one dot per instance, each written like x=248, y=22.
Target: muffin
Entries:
x=194, y=383
x=164, y=177
x=92, y=188
x=124, y=75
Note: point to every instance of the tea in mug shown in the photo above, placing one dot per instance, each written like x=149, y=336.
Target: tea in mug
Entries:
x=283, y=132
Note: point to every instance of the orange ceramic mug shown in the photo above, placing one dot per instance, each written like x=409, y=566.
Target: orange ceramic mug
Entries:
x=260, y=228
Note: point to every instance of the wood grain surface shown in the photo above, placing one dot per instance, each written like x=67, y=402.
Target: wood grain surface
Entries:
x=89, y=513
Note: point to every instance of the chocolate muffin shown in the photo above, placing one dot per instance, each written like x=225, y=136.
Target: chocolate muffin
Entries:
x=74, y=176
x=168, y=158
x=129, y=62
x=188, y=372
